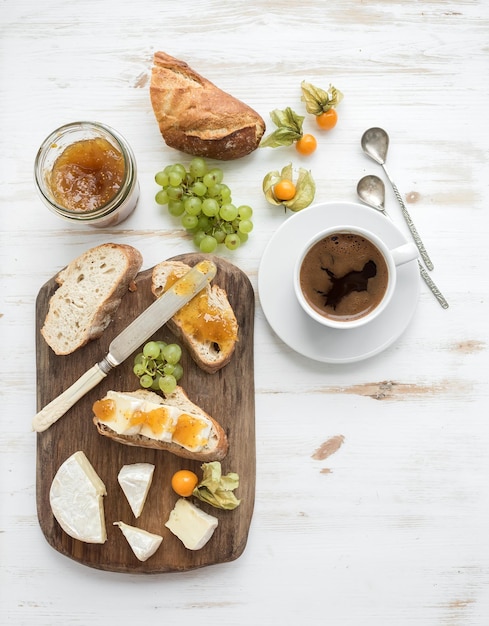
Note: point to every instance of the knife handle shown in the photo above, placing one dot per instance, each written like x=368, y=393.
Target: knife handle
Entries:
x=58, y=407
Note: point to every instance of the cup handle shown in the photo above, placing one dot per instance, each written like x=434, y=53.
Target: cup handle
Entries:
x=404, y=254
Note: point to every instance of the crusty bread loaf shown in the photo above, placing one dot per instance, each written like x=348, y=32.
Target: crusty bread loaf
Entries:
x=215, y=449
x=206, y=325
x=197, y=117
x=90, y=291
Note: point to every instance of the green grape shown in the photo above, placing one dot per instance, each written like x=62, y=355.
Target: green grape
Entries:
x=245, y=212
x=176, y=208
x=232, y=241
x=198, y=236
x=245, y=226
x=175, y=193
x=155, y=384
x=215, y=191
x=189, y=221
x=225, y=193
x=178, y=371
x=172, y=353
x=228, y=212
x=174, y=179
x=151, y=350
x=161, y=179
x=213, y=177
x=208, y=244
x=139, y=369
x=204, y=223
x=193, y=205
x=168, y=368
x=210, y=207
x=178, y=168
x=167, y=384
x=162, y=197
x=197, y=167
x=243, y=237
x=139, y=358
x=199, y=189
x=146, y=381
x=219, y=235
x=161, y=345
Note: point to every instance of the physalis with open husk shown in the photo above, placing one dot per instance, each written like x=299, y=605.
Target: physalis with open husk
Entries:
x=281, y=190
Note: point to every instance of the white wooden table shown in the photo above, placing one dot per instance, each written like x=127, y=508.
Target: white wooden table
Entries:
x=372, y=497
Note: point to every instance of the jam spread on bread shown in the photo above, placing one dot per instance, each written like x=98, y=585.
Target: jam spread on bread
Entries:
x=204, y=321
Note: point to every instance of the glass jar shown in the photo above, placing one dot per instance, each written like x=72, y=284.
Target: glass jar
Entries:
x=86, y=173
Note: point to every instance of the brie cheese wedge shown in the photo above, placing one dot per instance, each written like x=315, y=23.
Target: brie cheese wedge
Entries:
x=143, y=543
x=191, y=525
x=135, y=481
x=76, y=498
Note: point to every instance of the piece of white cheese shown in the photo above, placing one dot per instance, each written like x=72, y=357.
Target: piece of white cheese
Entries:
x=135, y=481
x=191, y=525
x=76, y=498
x=143, y=543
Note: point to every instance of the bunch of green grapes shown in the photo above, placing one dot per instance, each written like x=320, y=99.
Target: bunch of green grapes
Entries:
x=158, y=366
x=204, y=204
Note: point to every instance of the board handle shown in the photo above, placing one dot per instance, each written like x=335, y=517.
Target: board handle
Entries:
x=58, y=407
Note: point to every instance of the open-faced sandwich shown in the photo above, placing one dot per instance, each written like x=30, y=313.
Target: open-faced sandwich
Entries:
x=173, y=423
x=206, y=325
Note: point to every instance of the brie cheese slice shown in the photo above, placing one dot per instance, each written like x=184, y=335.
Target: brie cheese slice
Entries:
x=135, y=481
x=143, y=543
x=191, y=525
x=76, y=498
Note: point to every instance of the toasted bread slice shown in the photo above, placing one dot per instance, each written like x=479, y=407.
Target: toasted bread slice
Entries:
x=174, y=423
x=91, y=289
x=206, y=325
x=197, y=117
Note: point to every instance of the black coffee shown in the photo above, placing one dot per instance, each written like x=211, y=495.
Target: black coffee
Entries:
x=344, y=276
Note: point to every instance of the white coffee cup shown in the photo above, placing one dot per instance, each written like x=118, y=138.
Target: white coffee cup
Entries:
x=369, y=296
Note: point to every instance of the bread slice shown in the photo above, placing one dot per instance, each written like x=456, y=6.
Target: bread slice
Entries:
x=90, y=292
x=197, y=117
x=114, y=419
x=206, y=325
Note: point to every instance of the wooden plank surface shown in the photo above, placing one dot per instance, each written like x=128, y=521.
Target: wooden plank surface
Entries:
x=227, y=395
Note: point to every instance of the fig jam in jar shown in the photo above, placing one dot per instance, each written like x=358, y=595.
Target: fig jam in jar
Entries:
x=86, y=172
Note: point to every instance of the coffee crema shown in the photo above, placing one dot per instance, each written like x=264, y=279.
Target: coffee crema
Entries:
x=344, y=276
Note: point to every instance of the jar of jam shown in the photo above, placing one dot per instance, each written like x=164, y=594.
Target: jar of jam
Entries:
x=86, y=173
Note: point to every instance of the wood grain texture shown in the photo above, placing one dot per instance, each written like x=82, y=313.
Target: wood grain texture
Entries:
x=227, y=395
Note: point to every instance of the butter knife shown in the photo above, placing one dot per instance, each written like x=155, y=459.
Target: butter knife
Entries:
x=138, y=331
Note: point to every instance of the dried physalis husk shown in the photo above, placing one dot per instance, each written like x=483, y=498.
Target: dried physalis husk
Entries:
x=319, y=100
x=288, y=131
x=305, y=188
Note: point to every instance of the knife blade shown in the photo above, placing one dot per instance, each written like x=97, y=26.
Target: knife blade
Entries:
x=138, y=331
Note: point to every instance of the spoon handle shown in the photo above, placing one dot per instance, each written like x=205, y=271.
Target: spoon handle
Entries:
x=410, y=223
x=434, y=289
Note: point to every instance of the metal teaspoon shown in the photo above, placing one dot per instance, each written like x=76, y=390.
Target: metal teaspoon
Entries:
x=375, y=143
x=371, y=191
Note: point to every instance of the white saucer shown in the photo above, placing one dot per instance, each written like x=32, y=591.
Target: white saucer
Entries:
x=292, y=324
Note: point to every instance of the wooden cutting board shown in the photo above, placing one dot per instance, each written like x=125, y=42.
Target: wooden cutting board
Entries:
x=227, y=395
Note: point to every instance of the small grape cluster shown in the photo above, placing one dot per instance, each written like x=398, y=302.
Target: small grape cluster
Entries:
x=204, y=204
x=158, y=366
